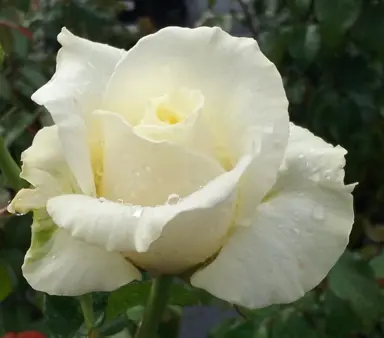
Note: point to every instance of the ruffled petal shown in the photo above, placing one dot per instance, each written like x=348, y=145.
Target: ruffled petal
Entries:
x=44, y=166
x=297, y=235
x=82, y=71
x=245, y=106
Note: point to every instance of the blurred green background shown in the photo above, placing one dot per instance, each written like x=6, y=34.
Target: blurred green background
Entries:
x=331, y=56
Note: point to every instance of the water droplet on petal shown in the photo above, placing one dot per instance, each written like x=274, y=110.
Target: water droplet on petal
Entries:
x=173, y=199
x=53, y=257
x=19, y=214
x=301, y=156
x=138, y=212
x=318, y=213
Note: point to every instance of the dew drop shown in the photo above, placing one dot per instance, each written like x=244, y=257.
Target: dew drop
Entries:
x=138, y=212
x=19, y=214
x=318, y=213
x=173, y=199
x=53, y=257
x=301, y=156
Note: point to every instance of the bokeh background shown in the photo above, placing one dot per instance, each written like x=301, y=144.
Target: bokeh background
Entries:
x=331, y=56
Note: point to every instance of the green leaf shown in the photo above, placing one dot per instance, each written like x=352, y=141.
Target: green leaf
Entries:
x=17, y=232
x=338, y=15
x=117, y=325
x=341, y=320
x=23, y=5
x=20, y=43
x=305, y=43
x=273, y=44
x=5, y=281
x=136, y=293
x=370, y=28
x=294, y=325
x=127, y=296
x=299, y=7
x=377, y=265
x=6, y=90
x=14, y=259
x=353, y=280
x=33, y=76
x=62, y=315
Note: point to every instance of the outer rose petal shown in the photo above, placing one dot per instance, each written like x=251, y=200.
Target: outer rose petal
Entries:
x=297, y=235
x=245, y=106
x=82, y=71
x=58, y=264
x=44, y=166
x=168, y=237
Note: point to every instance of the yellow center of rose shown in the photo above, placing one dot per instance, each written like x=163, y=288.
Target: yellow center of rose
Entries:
x=167, y=115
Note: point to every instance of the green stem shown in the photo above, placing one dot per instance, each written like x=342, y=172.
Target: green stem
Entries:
x=156, y=304
x=86, y=305
x=9, y=167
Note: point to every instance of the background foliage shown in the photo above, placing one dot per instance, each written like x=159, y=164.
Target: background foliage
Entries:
x=331, y=56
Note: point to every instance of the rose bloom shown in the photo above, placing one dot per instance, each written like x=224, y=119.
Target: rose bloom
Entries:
x=177, y=157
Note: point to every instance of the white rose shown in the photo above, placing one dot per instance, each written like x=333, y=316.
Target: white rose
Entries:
x=178, y=155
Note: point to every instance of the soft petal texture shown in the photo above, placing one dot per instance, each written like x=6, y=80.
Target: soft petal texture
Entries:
x=170, y=229
x=82, y=71
x=296, y=236
x=138, y=171
x=44, y=166
x=59, y=264
x=184, y=124
x=245, y=107
x=83, y=68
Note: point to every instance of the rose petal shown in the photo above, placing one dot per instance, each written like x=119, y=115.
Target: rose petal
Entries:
x=245, y=106
x=295, y=238
x=61, y=265
x=138, y=171
x=82, y=71
x=170, y=228
x=44, y=166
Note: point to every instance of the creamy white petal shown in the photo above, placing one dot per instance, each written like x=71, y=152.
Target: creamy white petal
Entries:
x=177, y=227
x=141, y=172
x=59, y=264
x=82, y=71
x=245, y=106
x=176, y=118
x=44, y=166
x=297, y=235
x=83, y=68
